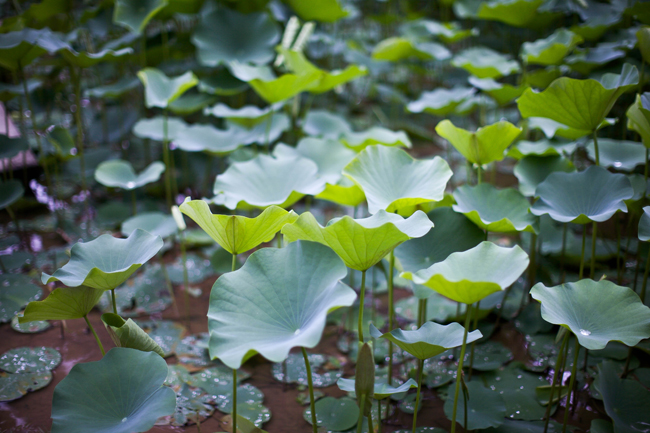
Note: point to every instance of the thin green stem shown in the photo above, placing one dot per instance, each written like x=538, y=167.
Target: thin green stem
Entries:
x=596, y=148
x=361, y=408
x=234, y=400
x=170, y=288
x=417, y=398
x=165, y=149
x=594, y=228
x=645, y=278
x=234, y=262
x=645, y=171
x=558, y=363
x=114, y=303
x=391, y=313
x=186, y=285
x=479, y=175
x=362, y=295
x=378, y=416
x=76, y=75
x=99, y=343
x=572, y=382
x=310, y=383
x=459, y=372
x=582, y=254
x=471, y=352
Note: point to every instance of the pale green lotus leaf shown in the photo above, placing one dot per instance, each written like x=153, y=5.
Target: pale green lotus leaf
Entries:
x=160, y=90
x=471, y=275
x=156, y=223
x=114, y=90
x=503, y=94
x=395, y=49
x=191, y=102
x=541, y=148
x=644, y=225
x=117, y=173
x=322, y=123
x=10, y=192
x=20, y=48
x=518, y=13
x=360, y=243
x=597, y=312
x=585, y=60
x=62, y=304
x=591, y=195
x=485, y=63
x=621, y=155
x=344, y=192
x=86, y=59
x=448, y=32
x=382, y=389
x=532, y=170
x=106, y=262
x=553, y=129
x=136, y=14
x=441, y=101
x=331, y=156
x=126, y=333
x=153, y=128
x=638, y=117
x=326, y=11
x=17, y=291
x=247, y=116
x=597, y=18
x=393, y=180
x=551, y=50
x=207, y=138
x=375, y=135
x=267, y=307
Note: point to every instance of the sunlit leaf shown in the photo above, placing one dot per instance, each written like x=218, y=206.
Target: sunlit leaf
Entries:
x=485, y=145
x=160, y=90
x=485, y=63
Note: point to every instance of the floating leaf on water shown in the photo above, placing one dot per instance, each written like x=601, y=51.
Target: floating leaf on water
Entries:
x=293, y=370
x=165, y=333
x=304, y=399
x=246, y=394
x=485, y=62
x=518, y=390
x=489, y=356
x=334, y=414
x=191, y=405
x=217, y=379
x=198, y=269
x=14, y=386
x=29, y=327
x=407, y=405
x=193, y=350
x=16, y=291
x=30, y=360
x=485, y=407
x=177, y=375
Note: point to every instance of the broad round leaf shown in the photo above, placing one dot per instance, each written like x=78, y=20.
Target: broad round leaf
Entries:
x=620, y=155
x=517, y=388
x=597, y=312
x=30, y=360
x=644, y=225
x=248, y=115
x=543, y=147
x=14, y=386
x=502, y=93
x=278, y=300
x=485, y=62
x=10, y=192
x=397, y=48
x=381, y=390
x=121, y=393
x=518, y=13
x=120, y=174
x=485, y=407
x=448, y=32
x=334, y=414
x=375, y=135
x=322, y=123
x=16, y=291
x=530, y=171
x=550, y=50
x=136, y=14
x=160, y=90
x=62, y=304
x=331, y=156
x=345, y=192
x=156, y=223
x=441, y=102
x=153, y=128
x=21, y=47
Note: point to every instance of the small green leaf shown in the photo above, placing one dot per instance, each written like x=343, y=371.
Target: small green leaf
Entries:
x=533, y=170
x=502, y=93
x=644, y=225
x=136, y=14
x=16, y=291
x=397, y=48
x=551, y=50
x=441, y=102
x=62, y=304
x=160, y=90
x=485, y=63
x=120, y=174
x=638, y=117
x=326, y=11
x=334, y=414
x=30, y=360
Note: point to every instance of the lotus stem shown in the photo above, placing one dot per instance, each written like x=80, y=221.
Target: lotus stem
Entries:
x=362, y=294
x=186, y=285
x=76, y=76
x=234, y=400
x=572, y=382
x=360, y=422
x=165, y=149
x=113, y=299
x=421, y=312
x=459, y=372
x=134, y=203
x=479, y=175
x=234, y=263
x=582, y=254
x=417, y=398
x=594, y=228
x=626, y=369
x=645, y=278
x=391, y=318
x=558, y=369
x=471, y=352
x=312, y=403
x=99, y=343
x=596, y=148
x=371, y=428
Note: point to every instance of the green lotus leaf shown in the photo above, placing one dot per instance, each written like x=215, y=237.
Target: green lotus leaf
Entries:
x=257, y=309
x=334, y=414
x=160, y=90
x=502, y=93
x=485, y=145
x=600, y=425
x=191, y=103
x=494, y=210
x=552, y=129
x=518, y=390
x=530, y=171
x=156, y=223
x=238, y=234
x=485, y=407
x=207, y=138
x=86, y=59
x=62, y=142
x=392, y=179
x=591, y=195
x=471, y=275
x=153, y=128
x=395, y=49
x=319, y=10
x=264, y=181
x=247, y=116
x=375, y=135
x=644, y=225
x=331, y=156
x=114, y=90
x=322, y=123
x=541, y=148
x=597, y=19
x=10, y=192
x=449, y=32
x=16, y=385
x=17, y=291
x=30, y=359
x=30, y=327
x=294, y=370
x=382, y=389
x=136, y=14
x=106, y=262
x=121, y=393
x=222, y=83
x=360, y=243
x=219, y=37
x=518, y=13
x=441, y=102
x=485, y=63
x=20, y=48
x=584, y=61
x=125, y=333
x=344, y=192
x=638, y=117
x=566, y=100
x=120, y=174
x=12, y=146
x=597, y=312
x=620, y=155
x=429, y=340
x=62, y=304
x=10, y=91
x=550, y=50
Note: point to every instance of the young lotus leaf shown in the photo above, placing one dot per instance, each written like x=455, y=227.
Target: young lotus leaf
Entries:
x=448, y=32
x=638, y=117
x=502, y=93
x=264, y=181
x=156, y=223
x=16, y=385
x=267, y=307
x=472, y=275
x=485, y=63
x=621, y=155
x=344, y=192
x=485, y=408
x=247, y=116
x=375, y=135
x=543, y=148
x=10, y=192
x=494, y=210
x=30, y=360
x=597, y=312
x=396, y=48
x=85, y=59
x=644, y=225
x=153, y=128
x=441, y=101
x=551, y=50
x=17, y=291
x=106, y=262
x=225, y=35
x=331, y=156
x=121, y=393
x=430, y=340
x=129, y=334
x=591, y=195
x=322, y=123
x=518, y=13
x=117, y=173
x=326, y=11
x=382, y=389
x=533, y=170
x=485, y=145
x=392, y=179
x=160, y=90
x=136, y=14
x=20, y=48
x=238, y=234
x=62, y=304
x=578, y=104
x=360, y=243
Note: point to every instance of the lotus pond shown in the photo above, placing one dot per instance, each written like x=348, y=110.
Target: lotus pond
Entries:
x=324, y=216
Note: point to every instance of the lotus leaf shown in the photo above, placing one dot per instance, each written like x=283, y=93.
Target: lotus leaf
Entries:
x=29, y=328
x=553, y=129
x=156, y=223
x=203, y=137
x=16, y=291
x=485, y=63
x=375, y=135
x=30, y=360
x=334, y=414
x=247, y=116
x=517, y=388
x=19, y=48
x=543, y=147
x=587, y=59
x=533, y=170
x=10, y=91
x=441, y=101
x=153, y=128
x=12, y=146
x=10, y=192
x=115, y=90
x=87, y=59
x=395, y=49
x=471, y=275
x=644, y=225
x=106, y=262
x=129, y=334
x=266, y=307
x=62, y=304
x=392, y=179
x=324, y=124
x=136, y=14
x=591, y=195
x=345, y=193
x=382, y=389
x=360, y=243
x=489, y=356
x=222, y=83
x=14, y=386
x=165, y=333
x=294, y=370
x=620, y=155
x=518, y=13
x=320, y=10
x=638, y=117
x=551, y=50
x=331, y=156
x=120, y=174
x=502, y=93
x=191, y=103
x=485, y=408
x=160, y=90
x=121, y=393
x=448, y=32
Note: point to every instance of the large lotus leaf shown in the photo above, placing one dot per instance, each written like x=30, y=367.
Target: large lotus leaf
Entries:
x=153, y=128
x=264, y=181
x=114, y=90
x=644, y=225
x=620, y=155
x=533, y=170
x=441, y=101
x=429, y=340
x=517, y=388
x=638, y=117
x=320, y=10
x=597, y=312
x=553, y=129
x=268, y=307
x=331, y=156
x=225, y=35
x=361, y=243
x=12, y=146
x=262, y=133
x=238, y=234
x=106, y=262
x=502, y=93
x=396, y=48
x=334, y=414
x=10, y=91
x=550, y=50
x=86, y=59
x=126, y=333
x=16, y=291
x=375, y=135
x=485, y=145
x=382, y=389
x=471, y=275
x=541, y=148
x=160, y=90
x=62, y=304
x=10, y=192
x=518, y=13
x=121, y=393
x=156, y=223
x=345, y=192
x=15, y=385
x=579, y=104
x=591, y=195
x=322, y=123
x=448, y=32
x=120, y=174
x=485, y=407
x=247, y=116
x=21, y=47
x=136, y=14
x=485, y=63
x=584, y=61
x=392, y=179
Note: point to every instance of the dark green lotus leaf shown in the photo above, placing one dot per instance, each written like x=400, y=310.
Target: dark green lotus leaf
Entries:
x=153, y=128
x=126, y=333
x=638, y=117
x=485, y=63
x=319, y=10
x=136, y=14
x=543, y=147
x=489, y=356
x=114, y=90
x=192, y=406
x=502, y=93
x=448, y=32
x=375, y=135
x=191, y=102
x=533, y=170
x=259, y=310
x=20, y=48
x=247, y=116
x=86, y=59
x=30, y=360
x=120, y=174
x=106, y=262
x=586, y=60
x=334, y=414
x=160, y=90
x=62, y=304
x=14, y=386
x=121, y=393
x=10, y=91
x=518, y=13
x=344, y=192
x=601, y=426
x=595, y=311
x=30, y=327
x=322, y=123
x=16, y=291
x=494, y=210
x=219, y=37
x=247, y=394
x=564, y=100
x=517, y=388
x=591, y=195
x=597, y=19
x=392, y=179
x=621, y=155
x=441, y=102
x=293, y=370
x=625, y=400
x=382, y=389
x=644, y=225
x=553, y=129
x=550, y=50
x=485, y=407
x=12, y=146
x=395, y=49
x=331, y=156
x=222, y=83
x=156, y=223
x=472, y=275
x=10, y=192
